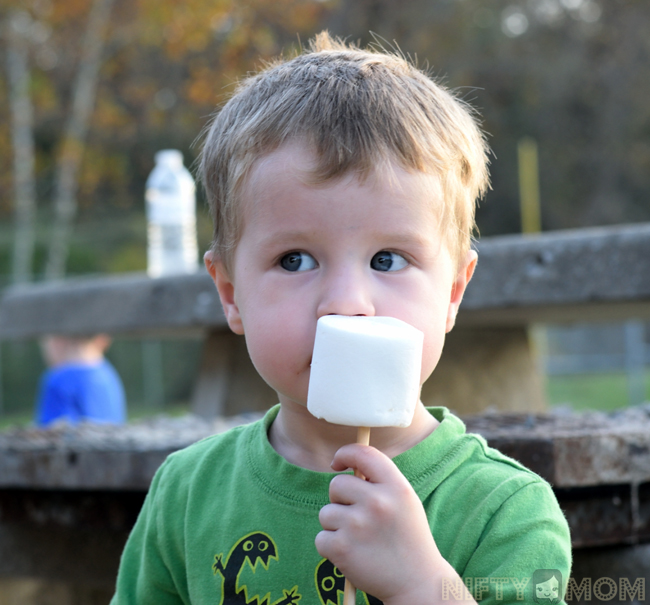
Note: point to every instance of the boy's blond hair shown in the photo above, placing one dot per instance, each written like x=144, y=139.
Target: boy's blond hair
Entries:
x=359, y=110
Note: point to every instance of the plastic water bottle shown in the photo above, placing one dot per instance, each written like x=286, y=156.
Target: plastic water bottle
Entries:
x=171, y=217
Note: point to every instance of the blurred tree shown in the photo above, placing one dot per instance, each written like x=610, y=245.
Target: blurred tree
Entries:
x=74, y=136
x=100, y=117
x=17, y=34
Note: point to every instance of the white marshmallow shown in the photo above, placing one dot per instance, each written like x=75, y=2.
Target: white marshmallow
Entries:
x=365, y=371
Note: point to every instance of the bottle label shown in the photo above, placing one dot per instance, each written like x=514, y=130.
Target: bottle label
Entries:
x=165, y=209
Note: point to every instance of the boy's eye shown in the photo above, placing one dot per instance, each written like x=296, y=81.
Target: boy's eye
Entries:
x=388, y=261
x=298, y=261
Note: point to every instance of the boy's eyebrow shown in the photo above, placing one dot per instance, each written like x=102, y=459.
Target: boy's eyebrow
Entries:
x=286, y=236
x=407, y=237
x=393, y=238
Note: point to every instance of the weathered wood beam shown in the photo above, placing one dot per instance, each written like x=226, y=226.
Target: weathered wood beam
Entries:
x=130, y=304
x=575, y=275
x=570, y=452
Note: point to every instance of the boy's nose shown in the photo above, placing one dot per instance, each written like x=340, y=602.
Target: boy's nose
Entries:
x=346, y=294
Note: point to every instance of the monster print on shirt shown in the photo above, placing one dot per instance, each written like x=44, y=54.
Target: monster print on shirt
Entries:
x=254, y=548
x=330, y=584
x=258, y=549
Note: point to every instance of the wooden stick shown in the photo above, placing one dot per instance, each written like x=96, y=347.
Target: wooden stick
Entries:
x=363, y=435
x=349, y=591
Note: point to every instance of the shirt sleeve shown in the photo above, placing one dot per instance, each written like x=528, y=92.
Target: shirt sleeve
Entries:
x=527, y=535
x=152, y=568
x=51, y=403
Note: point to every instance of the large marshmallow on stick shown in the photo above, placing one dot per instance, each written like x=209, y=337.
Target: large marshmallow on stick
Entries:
x=365, y=371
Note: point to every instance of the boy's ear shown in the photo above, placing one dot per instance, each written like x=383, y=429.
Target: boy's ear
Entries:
x=226, y=290
x=465, y=272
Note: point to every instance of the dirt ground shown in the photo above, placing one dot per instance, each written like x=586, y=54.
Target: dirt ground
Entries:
x=26, y=591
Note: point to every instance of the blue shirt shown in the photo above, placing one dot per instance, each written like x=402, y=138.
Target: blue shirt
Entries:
x=78, y=392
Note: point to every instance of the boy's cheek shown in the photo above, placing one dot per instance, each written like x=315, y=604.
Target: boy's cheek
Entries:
x=281, y=357
x=430, y=359
x=286, y=381
x=434, y=340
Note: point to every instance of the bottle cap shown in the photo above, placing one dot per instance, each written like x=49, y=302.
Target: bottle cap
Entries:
x=169, y=157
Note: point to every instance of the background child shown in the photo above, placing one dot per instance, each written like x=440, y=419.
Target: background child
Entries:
x=341, y=182
x=81, y=385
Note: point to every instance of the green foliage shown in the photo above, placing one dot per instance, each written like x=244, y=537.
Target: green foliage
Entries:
x=179, y=364
x=83, y=259
x=128, y=258
x=21, y=367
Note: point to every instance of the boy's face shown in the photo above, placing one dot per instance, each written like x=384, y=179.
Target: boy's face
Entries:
x=345, y=248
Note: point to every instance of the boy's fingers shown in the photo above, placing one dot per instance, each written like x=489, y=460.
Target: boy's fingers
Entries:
x=329, y=545
x=322, y=541
x=375, y=466
x=331, y=517
x=345, y=489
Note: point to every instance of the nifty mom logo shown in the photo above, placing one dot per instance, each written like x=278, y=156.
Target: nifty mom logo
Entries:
x=545, y=586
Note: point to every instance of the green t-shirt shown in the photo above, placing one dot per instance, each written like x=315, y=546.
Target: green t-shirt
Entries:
x=228, y=521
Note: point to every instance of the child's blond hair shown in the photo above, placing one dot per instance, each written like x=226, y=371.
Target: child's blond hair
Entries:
x=359, y=110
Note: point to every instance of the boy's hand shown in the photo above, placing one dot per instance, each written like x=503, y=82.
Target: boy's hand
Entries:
x=376, y=531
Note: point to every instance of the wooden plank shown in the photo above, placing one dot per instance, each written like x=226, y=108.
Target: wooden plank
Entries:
x=127, y=304
x=596, y=274
x=570, y=452
x=577, y=450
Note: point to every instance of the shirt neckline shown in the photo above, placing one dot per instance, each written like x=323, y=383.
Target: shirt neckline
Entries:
x=295, y=485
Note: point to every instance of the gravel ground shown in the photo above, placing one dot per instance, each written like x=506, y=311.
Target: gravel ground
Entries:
x=159, y=432
x=561, y=421
x=164, y=432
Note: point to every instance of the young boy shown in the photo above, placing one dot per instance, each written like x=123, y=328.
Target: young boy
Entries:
x=80, y=385
x=341, y=182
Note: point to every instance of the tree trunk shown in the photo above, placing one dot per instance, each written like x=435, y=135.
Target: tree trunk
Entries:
x=76, y=130
x=22, y=138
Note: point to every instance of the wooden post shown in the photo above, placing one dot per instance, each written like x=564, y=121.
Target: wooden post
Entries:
x=486, y=368
x=531, y=216
x=228, y=383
